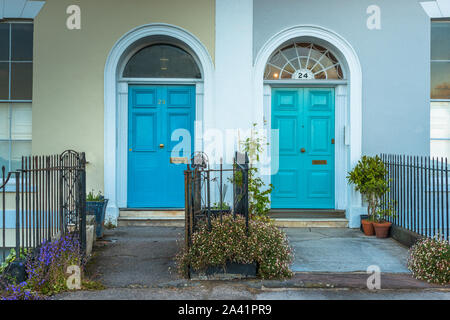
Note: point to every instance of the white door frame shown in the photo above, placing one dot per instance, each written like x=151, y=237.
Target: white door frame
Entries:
x=340, y=120
x=116, y=105
x=348, y=102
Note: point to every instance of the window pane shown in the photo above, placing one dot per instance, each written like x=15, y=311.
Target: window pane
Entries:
x=4, y=155
x=4, y=81
x=21, y=121
x=4, y=121
x=440, y=148
x=440, y=120
x=4, y=41
x=440, y=40
x=21, y=81
x=162, y=61
x=292, y=60
x=19, y=149
x=440, y=80
x=22, y=42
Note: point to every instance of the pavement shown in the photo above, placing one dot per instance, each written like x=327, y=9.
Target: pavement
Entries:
x=138, y=263
x=344, y=250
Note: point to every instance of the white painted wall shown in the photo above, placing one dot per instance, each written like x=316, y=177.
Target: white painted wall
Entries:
x=234, y=68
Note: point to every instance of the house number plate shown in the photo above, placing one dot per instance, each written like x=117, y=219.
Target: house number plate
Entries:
x=178, y=160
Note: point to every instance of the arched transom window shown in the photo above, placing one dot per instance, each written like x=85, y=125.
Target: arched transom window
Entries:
x=162, y=61
x=303, y=61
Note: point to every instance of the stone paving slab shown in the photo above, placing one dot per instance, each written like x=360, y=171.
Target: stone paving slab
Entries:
x=344, y=250
x=138, y=263
x=143, y=257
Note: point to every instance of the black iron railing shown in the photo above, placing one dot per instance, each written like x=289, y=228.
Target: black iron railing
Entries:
x=47, y=199
x=419, y=193
x=203, y=201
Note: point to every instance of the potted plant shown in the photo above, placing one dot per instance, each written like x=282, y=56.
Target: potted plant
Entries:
x=369, y=178
x=96, y=205
x=380, y=224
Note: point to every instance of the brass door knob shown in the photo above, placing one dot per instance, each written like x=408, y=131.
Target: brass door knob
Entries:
x=161, y=145
x=302, y=150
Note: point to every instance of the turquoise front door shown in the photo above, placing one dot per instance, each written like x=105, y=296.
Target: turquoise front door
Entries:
x=154, y=113
x=305, y=175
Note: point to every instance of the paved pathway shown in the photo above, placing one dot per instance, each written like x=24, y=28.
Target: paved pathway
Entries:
x=344, y=250
x=136, y=256
x=137, y=263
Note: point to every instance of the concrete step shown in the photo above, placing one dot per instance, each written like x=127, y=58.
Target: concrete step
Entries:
x=307, y=218
x=311, y=223
x=286, y=219
x=143, y=218
x=152, y=214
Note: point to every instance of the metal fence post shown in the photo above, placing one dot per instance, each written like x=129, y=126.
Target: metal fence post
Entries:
x=82, y=201
x=17, y=175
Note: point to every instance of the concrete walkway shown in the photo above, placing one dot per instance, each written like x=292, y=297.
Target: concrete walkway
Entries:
x=138, y=263
x=136, y=257
x=344, y=250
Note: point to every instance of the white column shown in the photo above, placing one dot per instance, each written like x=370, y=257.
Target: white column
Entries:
x=199, y=117
x=341, y=150
x=234, y=66
x=122, y=144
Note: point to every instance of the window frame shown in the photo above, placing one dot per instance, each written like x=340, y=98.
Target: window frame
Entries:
x=10, y=102
x=447, y=20
x=10, y=61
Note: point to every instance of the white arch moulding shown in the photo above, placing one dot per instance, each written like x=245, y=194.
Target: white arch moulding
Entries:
x=114, y=96
x=348, y=107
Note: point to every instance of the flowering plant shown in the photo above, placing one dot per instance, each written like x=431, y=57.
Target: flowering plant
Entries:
x=20, y=291
x=429, y=260
x=228, y=241
x=47, y=272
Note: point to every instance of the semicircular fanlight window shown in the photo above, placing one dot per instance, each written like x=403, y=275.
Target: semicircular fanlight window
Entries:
x=162, y=61
x=303, y=61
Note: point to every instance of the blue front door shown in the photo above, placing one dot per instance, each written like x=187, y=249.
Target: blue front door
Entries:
x=305, y=120
x=154, y=113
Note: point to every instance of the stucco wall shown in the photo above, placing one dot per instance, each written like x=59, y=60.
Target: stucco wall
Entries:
x=69, y=67
x=395, y=62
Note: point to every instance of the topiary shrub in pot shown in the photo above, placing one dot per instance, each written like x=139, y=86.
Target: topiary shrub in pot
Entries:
x=429, y=260
x=380, y=224
x=227, y=243
x=369, y=178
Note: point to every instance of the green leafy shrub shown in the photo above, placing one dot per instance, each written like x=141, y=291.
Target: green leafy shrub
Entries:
x=429, y=260
x=228, y=241
x=369, y=178
x=259, y=194
x=91, y=196
x=12, y=257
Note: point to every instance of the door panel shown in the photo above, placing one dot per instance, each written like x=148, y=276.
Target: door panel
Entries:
x=155, y=112
x=305, y=120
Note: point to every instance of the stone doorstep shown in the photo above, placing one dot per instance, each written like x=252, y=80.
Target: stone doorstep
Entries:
x=176, y=218
x=162, y=214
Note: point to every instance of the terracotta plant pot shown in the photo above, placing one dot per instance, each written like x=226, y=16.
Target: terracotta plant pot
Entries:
x=368, y=227
x=382, y=229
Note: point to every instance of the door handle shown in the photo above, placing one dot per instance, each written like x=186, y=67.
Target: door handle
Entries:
x=302, y=150
x=161, y=145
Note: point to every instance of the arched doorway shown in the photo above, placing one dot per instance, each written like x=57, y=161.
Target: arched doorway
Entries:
x=303, y=116
x=161, y=102
x=331, y=81
x=157, y=80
